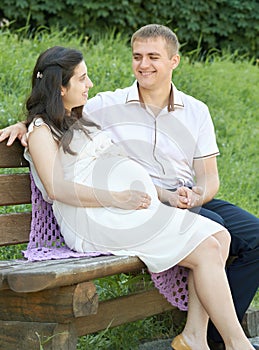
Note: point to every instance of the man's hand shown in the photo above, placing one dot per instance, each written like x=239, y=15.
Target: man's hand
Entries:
x=186, y=198
x=14, y=131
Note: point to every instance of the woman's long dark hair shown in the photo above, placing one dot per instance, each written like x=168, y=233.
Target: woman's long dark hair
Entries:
x=54, y=68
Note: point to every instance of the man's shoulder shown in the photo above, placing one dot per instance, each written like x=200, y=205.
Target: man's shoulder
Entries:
x=103, y=103
x=188, y=97
x=191, y=101
x=108, y=98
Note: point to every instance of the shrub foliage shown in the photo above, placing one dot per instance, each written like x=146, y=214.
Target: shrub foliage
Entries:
x=219, y=24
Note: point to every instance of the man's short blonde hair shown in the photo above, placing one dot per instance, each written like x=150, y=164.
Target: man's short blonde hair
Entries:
x=152, y=31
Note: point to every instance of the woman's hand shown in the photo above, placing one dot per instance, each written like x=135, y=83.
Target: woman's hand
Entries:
x=131, y=199
x=14, y=131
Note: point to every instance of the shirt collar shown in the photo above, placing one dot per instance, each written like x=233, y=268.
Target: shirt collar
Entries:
x=175, y=98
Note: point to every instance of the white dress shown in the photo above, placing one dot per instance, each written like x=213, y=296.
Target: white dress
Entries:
x=161, y=236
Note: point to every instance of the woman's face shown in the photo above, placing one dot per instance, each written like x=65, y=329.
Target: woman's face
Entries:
x=76, y=93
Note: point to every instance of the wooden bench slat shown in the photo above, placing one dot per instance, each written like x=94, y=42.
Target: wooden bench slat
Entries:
x=62, y=305
x=38, y=276
x=5, y=267
x=12, y=157
x=25, y=336
x=122, y=310
x=14, y=228
x=15, y=189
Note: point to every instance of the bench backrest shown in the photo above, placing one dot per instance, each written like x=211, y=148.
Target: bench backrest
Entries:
x=14, y=191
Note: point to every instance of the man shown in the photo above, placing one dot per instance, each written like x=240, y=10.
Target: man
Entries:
x=172, y=135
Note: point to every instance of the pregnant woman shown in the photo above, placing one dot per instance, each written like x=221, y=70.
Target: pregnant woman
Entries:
x=103, y=201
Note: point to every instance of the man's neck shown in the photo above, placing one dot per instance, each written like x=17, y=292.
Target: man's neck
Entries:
x=156, y=100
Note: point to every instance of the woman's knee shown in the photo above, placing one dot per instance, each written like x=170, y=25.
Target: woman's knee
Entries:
x=207, y=252
x=224, y=239
x=210, y=248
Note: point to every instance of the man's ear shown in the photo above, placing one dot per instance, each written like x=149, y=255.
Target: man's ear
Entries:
x=175, y=60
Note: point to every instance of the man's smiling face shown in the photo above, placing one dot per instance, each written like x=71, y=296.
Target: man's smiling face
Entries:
x=151, y=63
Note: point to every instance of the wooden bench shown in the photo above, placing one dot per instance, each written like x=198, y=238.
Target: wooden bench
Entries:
x=56, y=297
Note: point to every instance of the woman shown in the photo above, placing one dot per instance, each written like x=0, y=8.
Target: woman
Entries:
x=103, y=201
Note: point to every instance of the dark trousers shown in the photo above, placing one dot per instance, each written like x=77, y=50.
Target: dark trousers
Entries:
x=243, y=272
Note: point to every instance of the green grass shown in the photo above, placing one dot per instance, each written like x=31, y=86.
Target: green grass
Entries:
x=228, y=83
x=230, y=89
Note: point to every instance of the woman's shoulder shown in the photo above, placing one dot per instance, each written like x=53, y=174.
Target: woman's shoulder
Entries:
x=37, y=122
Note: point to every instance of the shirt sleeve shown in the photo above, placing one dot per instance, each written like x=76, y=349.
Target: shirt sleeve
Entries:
x=206, y=143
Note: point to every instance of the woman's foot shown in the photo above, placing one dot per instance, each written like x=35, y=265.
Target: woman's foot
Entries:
x=181, y=342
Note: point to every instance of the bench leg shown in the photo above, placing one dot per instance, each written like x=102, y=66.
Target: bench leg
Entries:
x=31, y=335
x=250, y=323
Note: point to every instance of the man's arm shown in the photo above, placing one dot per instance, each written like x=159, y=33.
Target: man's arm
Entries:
x=207, y=185
x=178, y=198
x=14, y=131
x=207, y=179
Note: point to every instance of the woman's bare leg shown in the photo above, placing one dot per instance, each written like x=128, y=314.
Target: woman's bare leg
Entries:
x=211, y=285
x=195, y=330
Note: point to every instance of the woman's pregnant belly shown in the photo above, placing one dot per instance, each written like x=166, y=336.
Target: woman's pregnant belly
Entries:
x=93, y=224
x=116, y=173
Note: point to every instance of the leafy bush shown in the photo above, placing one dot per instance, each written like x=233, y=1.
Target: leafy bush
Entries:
x=217, y=24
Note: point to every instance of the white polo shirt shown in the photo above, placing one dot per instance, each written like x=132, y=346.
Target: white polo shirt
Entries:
x=166, y=144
